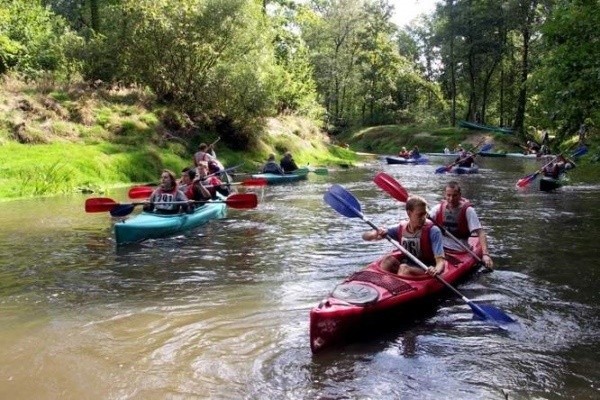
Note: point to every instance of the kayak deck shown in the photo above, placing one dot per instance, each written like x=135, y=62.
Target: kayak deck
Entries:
x=148, y=225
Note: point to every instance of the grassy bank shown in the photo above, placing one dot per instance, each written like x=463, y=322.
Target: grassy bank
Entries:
x=59, y=140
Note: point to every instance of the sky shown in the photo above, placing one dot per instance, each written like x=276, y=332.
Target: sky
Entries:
x=406, y=10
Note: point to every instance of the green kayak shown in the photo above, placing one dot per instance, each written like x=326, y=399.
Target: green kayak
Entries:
x=152, y=226
x=275, y=179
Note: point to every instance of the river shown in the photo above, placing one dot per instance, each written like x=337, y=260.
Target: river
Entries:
x=222, y=312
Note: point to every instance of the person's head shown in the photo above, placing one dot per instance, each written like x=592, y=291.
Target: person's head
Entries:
x=188, y=175
x=452, y=193
x=271, y=157
x=287, y=155
x=403, y=148
x=203, y=147
x=167, y=179
x=202, y=169
x=416, y=208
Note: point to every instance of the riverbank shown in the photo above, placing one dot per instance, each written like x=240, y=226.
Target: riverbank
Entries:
x=77, y=138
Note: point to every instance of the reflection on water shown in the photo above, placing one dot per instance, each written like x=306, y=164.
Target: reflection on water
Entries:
x=222, y=312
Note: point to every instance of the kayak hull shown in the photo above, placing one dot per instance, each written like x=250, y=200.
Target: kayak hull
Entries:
x=276, y=179
x=487, y=154
x=372, y=294
x=153, y=226
x=548, y=184
x=464, y=170
x=403, y=160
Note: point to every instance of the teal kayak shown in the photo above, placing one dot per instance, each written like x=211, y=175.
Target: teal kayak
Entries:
x=275, y=179
x=148, y=225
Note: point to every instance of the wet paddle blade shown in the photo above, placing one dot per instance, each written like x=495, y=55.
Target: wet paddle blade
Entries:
x=485, y=148
x=342, y=201
x=140, y=192
x=527, y=180
x=443, y=169
x=391, y=186
x=489, y=313
x=122, y=210
x=242, y=200
x=99, y=204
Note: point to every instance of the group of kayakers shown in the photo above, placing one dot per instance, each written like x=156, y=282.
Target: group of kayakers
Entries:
x=197, y=185
x=421, y=235
x=286, y=165
x=414, y=153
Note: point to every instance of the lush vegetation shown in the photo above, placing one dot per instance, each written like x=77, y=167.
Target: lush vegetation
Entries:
x=154, y=77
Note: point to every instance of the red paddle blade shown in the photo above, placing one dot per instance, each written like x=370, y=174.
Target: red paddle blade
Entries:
x=527, y=180
x=255, y=182
x=140, y=192
x=242, y=200
x=391, y=186
x=99, y=204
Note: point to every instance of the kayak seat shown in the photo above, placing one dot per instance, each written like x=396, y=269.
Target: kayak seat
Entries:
x=388, y=282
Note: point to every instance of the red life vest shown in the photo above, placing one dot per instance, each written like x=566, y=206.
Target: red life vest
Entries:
x=426, y=254
x=461, y=228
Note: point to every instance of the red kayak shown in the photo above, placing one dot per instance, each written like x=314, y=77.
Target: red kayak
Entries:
x=373, y=291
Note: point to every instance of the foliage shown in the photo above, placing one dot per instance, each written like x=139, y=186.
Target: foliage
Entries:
x=569, y=80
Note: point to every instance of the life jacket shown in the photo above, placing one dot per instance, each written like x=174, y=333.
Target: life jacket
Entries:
x=419, y=246
x=165, y=196
x=457, y=226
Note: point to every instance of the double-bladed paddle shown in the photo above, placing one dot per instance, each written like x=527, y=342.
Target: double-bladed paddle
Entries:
x=102, y=204
x=526, y=180
x=346, y=204
x=141, y=192
x=392, y=187
x=447, y=168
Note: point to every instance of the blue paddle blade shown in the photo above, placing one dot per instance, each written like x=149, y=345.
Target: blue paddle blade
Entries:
x=441, y=170
x=486, y=147
x=342, y=201
x=122, y=210
x=579, y=151
x=485, y=312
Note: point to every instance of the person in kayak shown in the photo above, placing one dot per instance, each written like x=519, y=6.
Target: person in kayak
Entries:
x=465, y=160
x=211, y=183
x=403, y=153
x=206, y=153
x=559, y=166
x=417, y=235
x=458, y=216
x=167, y=198
x=192, y=187
x=414, y=153
x=271, y=166
x=287, y=163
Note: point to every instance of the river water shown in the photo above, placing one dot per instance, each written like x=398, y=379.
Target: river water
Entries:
x=222, y=312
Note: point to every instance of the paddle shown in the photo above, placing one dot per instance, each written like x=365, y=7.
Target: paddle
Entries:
x=102, y=204
x=207, y=176
x=317, y=171
x=447, y=168
x=397, y=191
x=141, y=192
x=346, y=204
x=526, y=180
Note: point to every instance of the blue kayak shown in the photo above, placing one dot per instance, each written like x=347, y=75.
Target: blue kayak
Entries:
x=147, y=225
x=275, y=179
x=403, y=160
x=465, y=170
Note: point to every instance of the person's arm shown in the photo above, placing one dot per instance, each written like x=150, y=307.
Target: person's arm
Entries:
x=475, y=227
x=375, y=234
x=435, y=236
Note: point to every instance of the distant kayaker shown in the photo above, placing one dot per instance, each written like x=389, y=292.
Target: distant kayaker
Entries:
x=167, y=198
x=206, y=153
x=465, y=159
x=287, y=163
x=414, y=153
x=403, y=153
x=417, y=235
x=271, y=166
x=213, y=184
x=458, y=216
x=559, y=166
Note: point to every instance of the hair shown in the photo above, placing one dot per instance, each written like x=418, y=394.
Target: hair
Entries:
x=171, y=176
x=287, y=154
x=414, y=202
x=271, y=157
x=453, y=185
x=191, y=173
x=203, y=146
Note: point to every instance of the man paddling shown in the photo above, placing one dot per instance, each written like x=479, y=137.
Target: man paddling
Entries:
x=458, y=216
